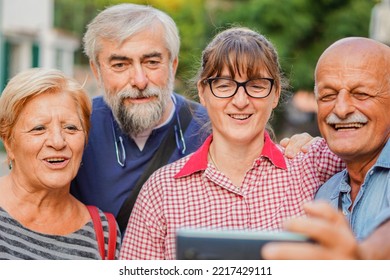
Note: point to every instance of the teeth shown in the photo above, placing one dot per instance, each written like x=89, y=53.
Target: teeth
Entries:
x=240, y=117
x=348, y=125
x=55, y=159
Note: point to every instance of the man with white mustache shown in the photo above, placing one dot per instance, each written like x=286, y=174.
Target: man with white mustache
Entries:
x=352, y=87
x=356, y=120
x=133, y=51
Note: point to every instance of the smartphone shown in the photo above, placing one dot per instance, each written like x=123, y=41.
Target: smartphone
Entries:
x=204, y=244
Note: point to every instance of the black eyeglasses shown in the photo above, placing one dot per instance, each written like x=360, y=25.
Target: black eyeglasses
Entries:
x=226, y=87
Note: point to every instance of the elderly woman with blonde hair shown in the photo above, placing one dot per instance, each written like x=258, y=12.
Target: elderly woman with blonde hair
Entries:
x=44, y=125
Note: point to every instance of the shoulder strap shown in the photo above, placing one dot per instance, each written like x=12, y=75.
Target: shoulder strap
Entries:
x=111, y=236
x=97, y=224
x=159, y=159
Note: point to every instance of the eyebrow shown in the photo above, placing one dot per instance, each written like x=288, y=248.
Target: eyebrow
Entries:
x=153, y=54
x=117, y=57
x=145, y=56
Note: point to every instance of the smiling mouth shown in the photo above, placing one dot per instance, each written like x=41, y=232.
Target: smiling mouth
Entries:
x=240, y=116
x=55, y=160
x=140, y=97
x=347, y=126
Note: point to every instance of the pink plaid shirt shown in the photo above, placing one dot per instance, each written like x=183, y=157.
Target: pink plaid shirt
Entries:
x=193, y=193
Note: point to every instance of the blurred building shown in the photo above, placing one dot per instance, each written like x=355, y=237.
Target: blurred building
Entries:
x=380, y=22
x=300, y=115
x=28, y=39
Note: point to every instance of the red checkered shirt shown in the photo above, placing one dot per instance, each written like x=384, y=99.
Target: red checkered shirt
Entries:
x=193, y=193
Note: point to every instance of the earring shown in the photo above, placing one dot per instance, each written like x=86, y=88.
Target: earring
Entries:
x=10, y=165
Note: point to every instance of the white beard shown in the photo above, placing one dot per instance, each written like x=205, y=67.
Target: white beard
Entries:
x=137, y=118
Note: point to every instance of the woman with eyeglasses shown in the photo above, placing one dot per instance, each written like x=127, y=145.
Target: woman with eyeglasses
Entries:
x=239, y=178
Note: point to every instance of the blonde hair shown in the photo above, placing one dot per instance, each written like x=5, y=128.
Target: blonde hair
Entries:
x=30, y=83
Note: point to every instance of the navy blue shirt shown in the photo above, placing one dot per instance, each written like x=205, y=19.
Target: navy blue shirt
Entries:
x=101, y=180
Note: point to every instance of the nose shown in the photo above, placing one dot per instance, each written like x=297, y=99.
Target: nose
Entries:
x=240, y=99
x=344, y=104
x=138, y=77
x=56, y=139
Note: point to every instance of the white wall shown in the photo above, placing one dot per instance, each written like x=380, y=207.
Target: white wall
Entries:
x=27, y=14
x=30, y=22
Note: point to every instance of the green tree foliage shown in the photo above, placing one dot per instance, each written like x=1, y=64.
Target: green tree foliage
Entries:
x=299, y=29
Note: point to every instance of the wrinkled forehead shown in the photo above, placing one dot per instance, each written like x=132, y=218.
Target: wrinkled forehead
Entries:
x=355, y=55
x=352, y=66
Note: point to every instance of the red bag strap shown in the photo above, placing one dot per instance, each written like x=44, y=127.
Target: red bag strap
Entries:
x=97, y=224
x=112, y=232
x=112, y=236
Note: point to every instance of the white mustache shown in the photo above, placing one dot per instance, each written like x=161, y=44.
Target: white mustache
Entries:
x=135, y=93
x=354, y=118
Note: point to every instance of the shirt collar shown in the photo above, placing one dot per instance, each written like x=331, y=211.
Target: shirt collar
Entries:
x=198, y=160
x=273, y=152
x=383, y=161
x=384, y=157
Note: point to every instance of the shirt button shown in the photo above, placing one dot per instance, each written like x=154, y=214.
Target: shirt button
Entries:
x=371, y=172
x=345, y=213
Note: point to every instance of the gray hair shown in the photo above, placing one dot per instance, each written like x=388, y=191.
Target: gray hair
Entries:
x=119, y=22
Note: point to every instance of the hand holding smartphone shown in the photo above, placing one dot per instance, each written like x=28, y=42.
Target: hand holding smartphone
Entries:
x=203, y=244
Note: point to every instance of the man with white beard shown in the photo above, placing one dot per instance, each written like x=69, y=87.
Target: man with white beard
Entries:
x=139, y=124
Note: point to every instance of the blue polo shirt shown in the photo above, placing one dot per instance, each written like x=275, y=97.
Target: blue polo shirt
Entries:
x=371, y=207
x=101, y=180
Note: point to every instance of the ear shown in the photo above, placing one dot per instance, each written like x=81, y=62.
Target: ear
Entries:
x=175, y=63
x=9, y=150
x=201, y=88
x=276, y=98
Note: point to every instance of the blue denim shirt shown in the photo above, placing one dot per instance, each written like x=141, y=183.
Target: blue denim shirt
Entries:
x=372, y=204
